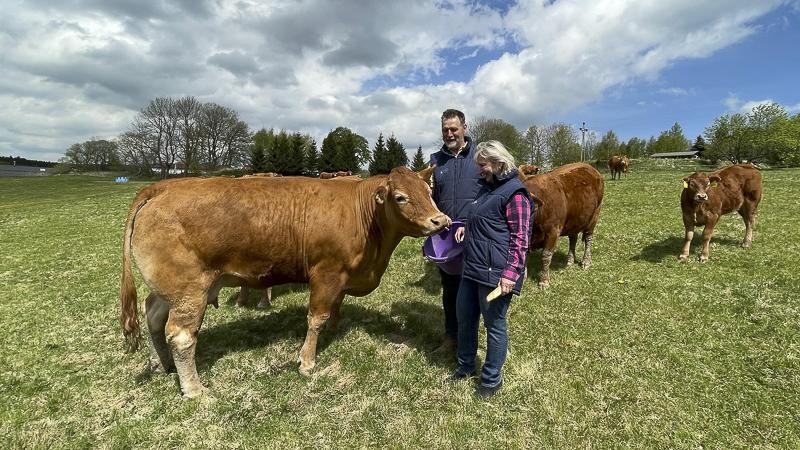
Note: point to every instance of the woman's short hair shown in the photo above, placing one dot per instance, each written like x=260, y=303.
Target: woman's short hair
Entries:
x=496, y=152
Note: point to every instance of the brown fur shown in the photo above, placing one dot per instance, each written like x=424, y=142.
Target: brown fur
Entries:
x=327, y=175
x=528, y=169
x=618, y=164
x=568, y=202
x=738, y=188
x=192, y=236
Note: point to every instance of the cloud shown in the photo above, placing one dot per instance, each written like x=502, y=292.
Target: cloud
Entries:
x=75, y=69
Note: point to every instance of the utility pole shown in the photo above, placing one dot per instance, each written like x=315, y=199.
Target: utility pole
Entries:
x=583, y=138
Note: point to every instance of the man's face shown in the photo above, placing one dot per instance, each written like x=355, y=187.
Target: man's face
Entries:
x=453, y=132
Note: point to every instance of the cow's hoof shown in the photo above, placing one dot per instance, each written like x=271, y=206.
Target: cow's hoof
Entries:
x=544, y=285
x=683, y=258
x=264, y=305
x=703, y=259
x=197, y=392
x=306, y=371
x=570, y=262
x=586, y=265
x=746, y=244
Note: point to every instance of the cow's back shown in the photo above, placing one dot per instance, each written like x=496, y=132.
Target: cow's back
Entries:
x=265, y=228
x=571, y=196
x=739, y=183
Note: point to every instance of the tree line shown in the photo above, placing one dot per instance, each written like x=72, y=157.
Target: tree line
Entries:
x=185, y=136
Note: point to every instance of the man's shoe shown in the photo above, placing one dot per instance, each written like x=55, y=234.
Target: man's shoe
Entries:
x=457, y=376
x=486, y=392
x=448, y=346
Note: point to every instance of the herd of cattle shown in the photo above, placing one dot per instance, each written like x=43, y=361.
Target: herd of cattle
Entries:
x=191, y=237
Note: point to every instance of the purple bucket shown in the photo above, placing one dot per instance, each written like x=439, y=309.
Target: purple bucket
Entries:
x=443, y=249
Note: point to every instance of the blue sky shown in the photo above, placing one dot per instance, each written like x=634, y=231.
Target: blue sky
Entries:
x=81, y=69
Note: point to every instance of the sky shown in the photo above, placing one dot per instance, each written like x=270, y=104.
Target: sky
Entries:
x=75, y=70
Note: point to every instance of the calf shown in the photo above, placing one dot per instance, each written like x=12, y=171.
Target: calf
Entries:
x=618, y=165
x=568, y=202
x=706, y=198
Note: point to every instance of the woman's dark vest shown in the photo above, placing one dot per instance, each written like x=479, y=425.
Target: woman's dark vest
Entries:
x=455, y=181
x=487, y=236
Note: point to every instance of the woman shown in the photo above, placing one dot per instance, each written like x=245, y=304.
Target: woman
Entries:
x=495, y=246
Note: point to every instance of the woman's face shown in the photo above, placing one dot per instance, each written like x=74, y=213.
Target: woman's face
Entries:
x=488, y=169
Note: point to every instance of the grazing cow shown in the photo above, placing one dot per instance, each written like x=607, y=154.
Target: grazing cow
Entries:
x=618, y=165
x=327, y=175
x=526, y=170
x=706, y=198
x=344, y=173
x=568, y=202
x=193, y=236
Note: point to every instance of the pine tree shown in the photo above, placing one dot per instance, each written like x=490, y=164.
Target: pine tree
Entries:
x=396, y=153
x=311, y=158
x=379, y=160
x=418, y=163
x=259, y=150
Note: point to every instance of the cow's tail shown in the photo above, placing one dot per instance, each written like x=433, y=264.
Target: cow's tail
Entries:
x=129, y=320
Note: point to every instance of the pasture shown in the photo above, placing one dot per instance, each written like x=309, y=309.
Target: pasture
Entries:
x=639, y=351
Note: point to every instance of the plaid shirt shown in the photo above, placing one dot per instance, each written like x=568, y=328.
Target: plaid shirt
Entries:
x=518, y=217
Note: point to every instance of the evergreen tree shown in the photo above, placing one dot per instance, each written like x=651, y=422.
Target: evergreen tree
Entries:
x=259, y=150
x=418, y=163
x=278, y=157
x=699, y=145
x=396, y=153
x=380, y=158
x=295, y=161
x=311, y=158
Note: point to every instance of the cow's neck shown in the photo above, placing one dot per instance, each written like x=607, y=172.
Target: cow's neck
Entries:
x=381, y=237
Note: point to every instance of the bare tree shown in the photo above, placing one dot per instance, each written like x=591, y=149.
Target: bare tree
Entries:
x=224, y=137
x=187, y=110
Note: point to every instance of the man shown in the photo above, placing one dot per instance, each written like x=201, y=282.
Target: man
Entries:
x=455, y=186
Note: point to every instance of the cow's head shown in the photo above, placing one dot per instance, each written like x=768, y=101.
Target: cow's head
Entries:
x=698, y=184
x=406, y=198
x=528, y=169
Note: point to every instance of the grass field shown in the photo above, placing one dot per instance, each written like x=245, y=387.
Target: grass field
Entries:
x=639, y=351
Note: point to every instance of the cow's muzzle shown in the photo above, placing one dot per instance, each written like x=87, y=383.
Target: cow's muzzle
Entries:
x=437, y=223
x=701, y=198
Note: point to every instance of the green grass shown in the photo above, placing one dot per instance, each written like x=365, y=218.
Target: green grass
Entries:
x=639, y=351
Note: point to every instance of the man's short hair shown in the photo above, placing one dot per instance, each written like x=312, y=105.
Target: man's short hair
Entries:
x=450, y=113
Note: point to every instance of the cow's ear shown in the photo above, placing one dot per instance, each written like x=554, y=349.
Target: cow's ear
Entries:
x=686, y=182
x=714, y=179
x=380, y=195
x=425, y=174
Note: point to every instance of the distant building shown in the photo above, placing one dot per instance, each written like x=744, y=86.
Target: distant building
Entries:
x=693, y=154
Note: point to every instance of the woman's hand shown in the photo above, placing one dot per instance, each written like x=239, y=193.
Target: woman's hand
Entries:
x=459, y=235
x=506, y=285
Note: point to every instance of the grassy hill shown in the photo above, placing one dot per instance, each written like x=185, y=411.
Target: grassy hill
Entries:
x=638, y=351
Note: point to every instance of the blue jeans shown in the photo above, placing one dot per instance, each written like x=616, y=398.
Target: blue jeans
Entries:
x=450, y=285
x=471, y=304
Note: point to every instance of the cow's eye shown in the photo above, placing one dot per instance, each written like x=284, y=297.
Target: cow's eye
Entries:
x=400, y=198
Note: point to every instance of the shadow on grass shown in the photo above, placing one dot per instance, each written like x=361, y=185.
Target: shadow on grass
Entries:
x=414, y=324
x=534, y=263
x=671, y=247
x=431, y=281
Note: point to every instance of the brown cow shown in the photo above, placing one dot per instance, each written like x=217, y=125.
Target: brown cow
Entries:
x=528, y=170
x=344, y=173
x=327, y=175
x=193, y=236
x=706, y=198
x=568, y=202
x=263, y=174
x=618, y=164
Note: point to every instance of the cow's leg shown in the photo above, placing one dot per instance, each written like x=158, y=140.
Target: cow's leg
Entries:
x=183, y=324
x=587, y=250
x=573, y=242
x=157, y=311
x=748, y=213
x=547, y=256
x=324, y=295
x=708, y=232
x=687, y=242
x=244, y=295
x=266, y=299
